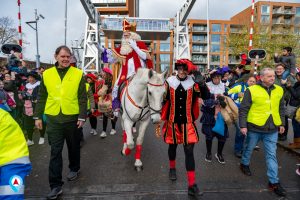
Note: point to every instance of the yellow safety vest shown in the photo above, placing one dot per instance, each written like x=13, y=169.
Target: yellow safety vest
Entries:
x=13, y=147
x=62, y=94
x=87, y=86
x=264, y=105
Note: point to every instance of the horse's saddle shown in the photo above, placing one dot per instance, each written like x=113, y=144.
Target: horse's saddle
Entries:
x=123, y=86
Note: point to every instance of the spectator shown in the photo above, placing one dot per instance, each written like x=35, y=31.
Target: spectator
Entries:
x=295, y=102
x=261, y=114
x=288, y=59
x=62, y=97
x=14, y=160
x=279, y=71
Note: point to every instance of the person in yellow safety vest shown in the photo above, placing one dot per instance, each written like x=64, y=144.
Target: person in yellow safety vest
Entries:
x=261, y=117
x=237, y=94
x=62, y=98
x=14, y=158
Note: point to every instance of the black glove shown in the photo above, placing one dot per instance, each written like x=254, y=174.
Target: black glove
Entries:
x=198, y=78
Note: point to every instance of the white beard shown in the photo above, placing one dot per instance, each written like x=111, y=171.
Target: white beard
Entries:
x=125, y=47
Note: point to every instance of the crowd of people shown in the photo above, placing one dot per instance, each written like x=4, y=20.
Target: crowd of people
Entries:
x=58, y=101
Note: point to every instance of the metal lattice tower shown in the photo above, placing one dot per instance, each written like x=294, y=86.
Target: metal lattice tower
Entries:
x=181, y=32
x=91, y=53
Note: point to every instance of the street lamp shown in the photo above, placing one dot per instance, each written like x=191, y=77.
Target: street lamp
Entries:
x=37, y=17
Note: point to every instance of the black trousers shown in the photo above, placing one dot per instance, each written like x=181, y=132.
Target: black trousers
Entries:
x=105, y=121
x=93, y=122
x=189, y=155
x=57, y=134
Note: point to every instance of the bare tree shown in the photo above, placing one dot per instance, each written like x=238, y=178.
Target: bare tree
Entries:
x=8, y=34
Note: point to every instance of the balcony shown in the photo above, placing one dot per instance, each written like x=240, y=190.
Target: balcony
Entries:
x=278, y=12
x=278, y=22
x=199, y=41
x=149, y=29
x=199, y=61
x=199, y=29
x=109, y=3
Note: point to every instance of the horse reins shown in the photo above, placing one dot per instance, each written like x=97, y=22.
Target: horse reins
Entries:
x=140, y=107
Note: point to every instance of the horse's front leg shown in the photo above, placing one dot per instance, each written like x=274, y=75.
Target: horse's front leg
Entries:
x=128, y=131
x=139, y=141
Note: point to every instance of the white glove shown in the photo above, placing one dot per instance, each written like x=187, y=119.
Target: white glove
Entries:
x=133, y=44
x=141, y=54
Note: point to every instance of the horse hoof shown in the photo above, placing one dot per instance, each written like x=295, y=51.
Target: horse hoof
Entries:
x=126, y=152
x=138, y=168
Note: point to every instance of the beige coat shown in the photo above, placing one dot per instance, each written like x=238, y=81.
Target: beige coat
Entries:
x=230, y=112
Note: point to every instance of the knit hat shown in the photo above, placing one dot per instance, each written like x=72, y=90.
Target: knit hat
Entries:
x=107, y=70
x=91, y=76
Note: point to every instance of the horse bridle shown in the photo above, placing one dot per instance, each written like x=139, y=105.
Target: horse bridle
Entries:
x=154, y=110
x=140, y=107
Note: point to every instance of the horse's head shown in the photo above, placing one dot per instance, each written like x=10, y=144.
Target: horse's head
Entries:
x=156, y=90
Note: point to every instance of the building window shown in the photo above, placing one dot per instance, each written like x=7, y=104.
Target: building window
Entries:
x=215, y=38
x=199, y=28
x=265, y=19
x=164, y=67
x=199, y=59
x=164, y=46
x=265, y=9
x=298, y=11
x=216, y=28
x=199, y=38
x=199, y=48
x=215, y=48
x=225, y=27
x=164, y=57
x=297, y=20
x=215, y=58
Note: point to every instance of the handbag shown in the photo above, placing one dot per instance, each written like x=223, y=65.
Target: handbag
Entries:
x=290, y=111
x=219, y=125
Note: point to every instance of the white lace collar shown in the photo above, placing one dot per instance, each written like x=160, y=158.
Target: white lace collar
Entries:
x=32, y=86
x=174, y=82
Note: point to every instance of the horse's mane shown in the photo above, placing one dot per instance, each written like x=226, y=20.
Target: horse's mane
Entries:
x=141, y=75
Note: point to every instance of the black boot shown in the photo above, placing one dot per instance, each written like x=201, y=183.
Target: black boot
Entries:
x=172, y=174
x=194, y=191
x=245, y=169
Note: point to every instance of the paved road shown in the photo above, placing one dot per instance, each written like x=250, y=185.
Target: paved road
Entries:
x=105, y=174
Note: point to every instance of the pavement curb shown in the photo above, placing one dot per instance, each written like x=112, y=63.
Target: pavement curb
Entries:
x=288, y=149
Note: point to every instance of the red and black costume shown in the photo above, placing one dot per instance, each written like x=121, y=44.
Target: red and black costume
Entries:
x=180, y=111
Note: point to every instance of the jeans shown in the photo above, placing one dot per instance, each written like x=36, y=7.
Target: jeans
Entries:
x=285, y=74
x=270, y=145
x=296, y=128
x=239, y=139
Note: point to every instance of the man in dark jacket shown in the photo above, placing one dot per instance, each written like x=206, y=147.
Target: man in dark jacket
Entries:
x=62, y=97
x=261, y=114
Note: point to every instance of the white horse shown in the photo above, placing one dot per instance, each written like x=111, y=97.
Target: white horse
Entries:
x=141, y=102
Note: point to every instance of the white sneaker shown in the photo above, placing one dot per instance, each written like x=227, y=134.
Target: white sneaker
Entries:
x=30, y=142
x=113, y=131
x=94, y=132
x=103, y=134
x=42, y=140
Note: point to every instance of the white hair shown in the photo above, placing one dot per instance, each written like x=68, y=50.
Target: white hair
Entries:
x=266, y=70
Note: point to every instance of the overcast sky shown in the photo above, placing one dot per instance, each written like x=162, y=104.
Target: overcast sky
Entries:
x=51, y=29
